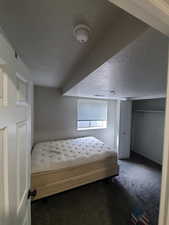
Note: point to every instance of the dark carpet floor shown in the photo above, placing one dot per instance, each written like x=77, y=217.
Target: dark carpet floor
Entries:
x=105, y=203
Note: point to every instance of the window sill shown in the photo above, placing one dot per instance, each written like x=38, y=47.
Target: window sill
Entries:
x=91, y=128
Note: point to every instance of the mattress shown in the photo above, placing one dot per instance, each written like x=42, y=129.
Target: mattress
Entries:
x=56, y=155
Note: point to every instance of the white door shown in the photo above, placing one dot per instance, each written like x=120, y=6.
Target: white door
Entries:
x=14, y=148
x=125, y=129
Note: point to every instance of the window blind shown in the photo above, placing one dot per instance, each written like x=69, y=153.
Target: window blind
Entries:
x=92, y=110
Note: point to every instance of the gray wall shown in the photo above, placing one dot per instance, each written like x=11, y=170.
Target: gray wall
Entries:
x=55, y=117
x=148, y=128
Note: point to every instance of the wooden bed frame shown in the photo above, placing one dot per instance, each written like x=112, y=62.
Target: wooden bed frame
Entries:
x=54, y=181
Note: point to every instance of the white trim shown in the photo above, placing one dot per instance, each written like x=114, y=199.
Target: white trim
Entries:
x=116, y=98
x=164, y=203
x=4, y=172
x=91, y=128
x=94, y=97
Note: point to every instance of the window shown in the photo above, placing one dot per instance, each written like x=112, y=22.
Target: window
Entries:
x=92, y=114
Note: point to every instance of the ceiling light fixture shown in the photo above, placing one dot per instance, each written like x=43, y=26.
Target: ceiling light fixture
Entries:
x=81, y=33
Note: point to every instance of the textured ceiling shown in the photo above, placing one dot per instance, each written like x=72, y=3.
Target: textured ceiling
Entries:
x=41, y=32
x=138, y=71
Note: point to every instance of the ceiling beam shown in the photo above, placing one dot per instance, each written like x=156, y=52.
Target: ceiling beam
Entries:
x=125, y=30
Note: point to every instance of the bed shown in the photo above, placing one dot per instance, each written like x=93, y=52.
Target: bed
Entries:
x=58, y=166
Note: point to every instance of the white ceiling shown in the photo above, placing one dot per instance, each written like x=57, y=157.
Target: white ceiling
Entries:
x=138, y=71
x=41, y=32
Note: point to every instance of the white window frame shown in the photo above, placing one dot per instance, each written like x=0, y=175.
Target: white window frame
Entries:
x=90, y=127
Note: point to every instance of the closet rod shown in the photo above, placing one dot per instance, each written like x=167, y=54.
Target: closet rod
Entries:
x=150, y=111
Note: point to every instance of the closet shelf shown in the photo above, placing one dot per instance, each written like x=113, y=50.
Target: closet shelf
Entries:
x=149, y=111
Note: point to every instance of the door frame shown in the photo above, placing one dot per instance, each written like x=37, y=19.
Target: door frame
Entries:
x=156, y=14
